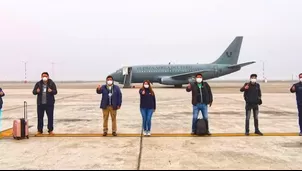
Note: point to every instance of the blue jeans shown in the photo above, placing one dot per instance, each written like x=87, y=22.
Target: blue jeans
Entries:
x=204, y=110
x=147, y=116
x=300, y=117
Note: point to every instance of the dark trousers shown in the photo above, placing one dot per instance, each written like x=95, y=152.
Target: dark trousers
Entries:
x=49, y=112
x=300, y=116
x=248, y=109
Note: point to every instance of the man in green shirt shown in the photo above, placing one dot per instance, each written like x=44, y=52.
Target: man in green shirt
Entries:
x=201, y=98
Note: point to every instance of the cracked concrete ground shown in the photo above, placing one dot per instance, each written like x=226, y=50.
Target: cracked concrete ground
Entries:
x=77, y=111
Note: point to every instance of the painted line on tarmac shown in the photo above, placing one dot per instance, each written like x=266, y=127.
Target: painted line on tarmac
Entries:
x=8, y=133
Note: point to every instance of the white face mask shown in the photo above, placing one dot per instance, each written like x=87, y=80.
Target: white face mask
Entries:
x=300, y=79
x=109, y=82
x=199, y=80
x=146, y=86
x=253, y=80
x=44, y=79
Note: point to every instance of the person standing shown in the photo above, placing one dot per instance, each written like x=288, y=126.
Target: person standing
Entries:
x=297, y=88
x=147, y=106
x=45, y=90
x=110, y=103
x=202, y=97
x=252, y=97
x=2, y=94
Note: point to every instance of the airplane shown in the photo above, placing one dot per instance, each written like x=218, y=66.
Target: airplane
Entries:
x=179, y=74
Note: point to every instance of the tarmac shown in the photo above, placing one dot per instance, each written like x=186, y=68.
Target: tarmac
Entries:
x=78, y=143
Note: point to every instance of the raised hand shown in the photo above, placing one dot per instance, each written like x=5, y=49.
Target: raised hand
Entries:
x=294, y=88
x=247, y=87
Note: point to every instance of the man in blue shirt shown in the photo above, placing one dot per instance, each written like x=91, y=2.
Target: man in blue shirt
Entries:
x=110, y=103
x=297, y=88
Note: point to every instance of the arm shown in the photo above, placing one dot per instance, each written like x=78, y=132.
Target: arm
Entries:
x=2, y=95
x=54, y=89
x=35, y=89
x=140, y=91
x=154, y=99
x=189, y=89
x=120, y=96
x=210, y=94
x=293, y=89
x=99, y=91
x=260, y=94
x=243, y=88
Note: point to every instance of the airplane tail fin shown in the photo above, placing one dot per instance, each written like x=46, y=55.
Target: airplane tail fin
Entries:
x=231, y=54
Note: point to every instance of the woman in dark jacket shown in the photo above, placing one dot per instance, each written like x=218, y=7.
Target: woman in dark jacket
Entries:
x=1, y=103
x=147, y=106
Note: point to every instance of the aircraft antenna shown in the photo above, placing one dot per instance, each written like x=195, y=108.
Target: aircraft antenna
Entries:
x=25, y=71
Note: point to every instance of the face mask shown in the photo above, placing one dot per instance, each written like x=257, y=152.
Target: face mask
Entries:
x=109, y=82
x=146, y=86
x=253, y=80
x=199, y=80
x=44, y=78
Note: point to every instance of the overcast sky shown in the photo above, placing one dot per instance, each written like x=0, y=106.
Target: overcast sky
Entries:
x=89, y=39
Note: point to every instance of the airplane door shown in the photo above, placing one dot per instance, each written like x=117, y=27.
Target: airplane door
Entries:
x=125, y=70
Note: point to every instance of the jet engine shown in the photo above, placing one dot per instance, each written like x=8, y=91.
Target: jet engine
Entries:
x=171, y=81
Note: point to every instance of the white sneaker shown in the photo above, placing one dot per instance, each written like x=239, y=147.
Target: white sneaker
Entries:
x=145, y=133
x=149, y=134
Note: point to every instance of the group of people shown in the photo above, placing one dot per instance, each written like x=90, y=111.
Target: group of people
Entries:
x=111, y=102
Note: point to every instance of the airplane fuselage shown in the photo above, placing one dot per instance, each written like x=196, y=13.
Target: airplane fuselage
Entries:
x=161, y=73
x=178, y=75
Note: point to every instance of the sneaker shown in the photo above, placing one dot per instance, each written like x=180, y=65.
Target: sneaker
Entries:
x=247, y=134
x=193, y=133
x=209, y=133
x=259, y=133
x=105, y=134
x=149, y=134
x=300, y=134
x=145, y=133
x=39, y=133
x=51, y=133
x=114, y=134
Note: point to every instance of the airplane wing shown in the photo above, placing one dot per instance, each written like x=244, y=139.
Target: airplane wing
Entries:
x=241, y=65
x=186, y=75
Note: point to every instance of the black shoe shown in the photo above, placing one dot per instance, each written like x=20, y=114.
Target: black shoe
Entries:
x=247, y=134
x=300, y=134
x=208, y=133
x=105, y=134
x=258, y=133
x=193, y=133
x=114, y=134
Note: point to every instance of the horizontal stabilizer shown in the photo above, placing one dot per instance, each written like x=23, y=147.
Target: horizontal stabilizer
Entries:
x=187, y=74
x=241, y=65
